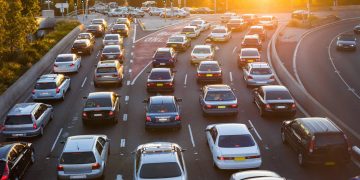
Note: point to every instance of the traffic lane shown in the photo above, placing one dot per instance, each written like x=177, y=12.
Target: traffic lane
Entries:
x=321, y=80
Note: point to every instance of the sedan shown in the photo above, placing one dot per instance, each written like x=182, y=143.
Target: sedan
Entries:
x=357, y=29
x=179, y=42
x=202, y=53
x=160, y=79
x=162, y=111
x=255, y=174
x=113, y=52
x=164, y=57
x=252, y=41
x=258, y=74
x=66, y=63
x=209, y=71
x=82, y=46
x=346, y=42
x=236, y=24
x=248, y=55
x=88, y=36
x=112, y=39
x=121, y=29
x=232, y=146
x=96, y=29
x=220, y=34
x=259, y=30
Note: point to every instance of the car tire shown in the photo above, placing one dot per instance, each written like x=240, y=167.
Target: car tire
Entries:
x=95, y=84
x=215, y=166
x=85, y=123
x=63, y=97
x=205, y=114
x=32, y=157
x=283, y=137
x=115, y=120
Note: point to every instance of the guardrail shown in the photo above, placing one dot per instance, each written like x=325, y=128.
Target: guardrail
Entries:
x=23, y=86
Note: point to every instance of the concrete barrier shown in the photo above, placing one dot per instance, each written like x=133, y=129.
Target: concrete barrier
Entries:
x=21, y=89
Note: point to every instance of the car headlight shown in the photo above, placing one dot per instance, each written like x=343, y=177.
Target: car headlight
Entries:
x=352, y=45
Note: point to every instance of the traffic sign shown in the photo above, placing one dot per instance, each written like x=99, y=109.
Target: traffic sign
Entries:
x=62, y=5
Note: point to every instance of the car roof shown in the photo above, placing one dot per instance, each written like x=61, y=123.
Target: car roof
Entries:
x=202, y=46
x=259, y=65
x=160, y=70
x=274, y=88
x=178, y=35
x=99, y=19
x=107, y=63
x=163, y=49
x=97, y=95
x=319, y=125
x=81, y=41
x=231, y=128
x=23, y=108
x=80, y=143
x=220, y=27
x=257, y=27
x=112, y=35
x=161, y=99
x=112, y=46
x=269, y=16
x=67, y=55
x=214, y=87
x=190, y=27
x=48, y=78
x=97, y=25
x=84, y=33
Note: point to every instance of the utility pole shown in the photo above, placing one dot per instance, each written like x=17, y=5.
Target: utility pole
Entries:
x=226, y=5
x=48, y=2
x=308, y=7
x=215, y=6
x=164, y=1
x=83, y=9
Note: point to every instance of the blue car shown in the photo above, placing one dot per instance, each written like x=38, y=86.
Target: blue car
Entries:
x=164, y=57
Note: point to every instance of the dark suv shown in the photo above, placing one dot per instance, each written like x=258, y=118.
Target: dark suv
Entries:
x=316, y=140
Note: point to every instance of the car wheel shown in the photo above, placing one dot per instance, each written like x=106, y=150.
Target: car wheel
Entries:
x=215, y=166
x=205, y=114
x=301, y=159
x=95, y=84
x=32, y=158
x=63, y=97
x=283, y=138
x=85, y=123
x=16, y=178
x=41, y=131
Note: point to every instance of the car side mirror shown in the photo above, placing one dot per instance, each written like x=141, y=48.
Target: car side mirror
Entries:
x=207, y=130
x=255, y=90
x=84, y=97
x=62, y=142
x=178, y=99
x=108, y=140
x=145, y=100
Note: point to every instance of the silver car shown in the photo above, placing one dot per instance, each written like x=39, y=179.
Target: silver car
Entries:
x=202, y=53
x=258, y=74
x=67, y=63
x=108, y=72
x=51, y=86
x=112, y=39
x=84, y=157
x=159, y=160
x=27, y=120
x=218, y=99
x=221, y=34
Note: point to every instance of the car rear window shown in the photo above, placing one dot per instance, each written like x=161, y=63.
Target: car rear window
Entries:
x=93, y=27
x=121, y=21
x=188, y=30
x=119, y=26
x=260, y=71
x=18, y=120
x=220, y=96
x=77, y=158
x=79, y=44
x=195, y=23
x=49, y=85
x=219, y=31
x=209, y=67
x=329, y=139
x=278, y=95
x=250, y=53
x=235, y=141
x=111, y=50
x=98, y=102
x=201, y=51
x=162, y=108
x=176, y=39
x=160, y=170
x=162, y=54
x=84, y=36
x=251, y=41
x=64, y=59
x=111, y=37
x=265, y=19
x=255, y=31
x=160, y=76
x=106, y=70
x=347, y=38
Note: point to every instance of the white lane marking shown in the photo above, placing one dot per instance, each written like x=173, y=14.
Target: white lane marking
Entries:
x=135, y=20
x=234, y=49
x=57, y=138
x=133, y=46
x=134, y=37
x=128, y=83
x=127, y=98
x=122, y=143
x=191, y=136
x=98, y=54
x=83, y=83
x=130, y=70
x=132, y=54
x=28, y=98
x=125, y=117
x=131, y=61
x=231, y=77
x=119, y=177
x=185, y=80
x=137, y=76
x=256, y=132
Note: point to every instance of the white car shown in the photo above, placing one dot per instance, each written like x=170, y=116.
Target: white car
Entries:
x=258, y=74
x=221, y=33
x=202, y=24
x=66, y=63
x=174, y=13
x=112, y=39
x=227, y=16
x=191, y=31
x=155, y=12
x=270, y=22
x=255, y=174
x=116, y=12
x=232, y=146
x=202, y=53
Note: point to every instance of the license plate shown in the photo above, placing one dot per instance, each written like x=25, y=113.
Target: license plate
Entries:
x=97, y=115
x=79, y=51
x=18, y=135
x=162, y=64
x=250, y=60
x=159, y=85
x=329, y=163
x=174, y=45
x=163, y=119
x=280, y=107
x=111, y=56
x=45, y=94
x=78, y=177
x=239, y=158
x=221, y=107
x=209, y=75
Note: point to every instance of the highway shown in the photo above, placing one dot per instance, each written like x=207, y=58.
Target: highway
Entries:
x=130, y=131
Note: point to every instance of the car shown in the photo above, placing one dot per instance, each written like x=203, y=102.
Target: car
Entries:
x=346, y=42
x=51, y=86
x=220, y=34
x=191, y=31
x=125, y=21
x=15, y=159
x=173, y=13
x=145, y=9
x=113, y=52
x=250, y=19
x=202, y=53
x=27, y=120
x=252, y=41
x=316, y=140
x=274, y=99
x=88, y=36
x=84, y=157
x=270, y=22
x=256, y=175
x=164, y=57
x=204, y=10
x=116, y=12
x=155, y=12
x=218, y=99
x=258, y=30
x=159, y=160
x=160, y=79
x=232, y=146
x=108, y=72
x=209, y=71
x=202, y=24
x=112, y=39
x=248, y=55
x=96, y=29
x=82, y=47
x=101, y=107
x=258, y=74
x=67, y=63
x=101, y=22
x=226, y=17
x=137, y=13
x=162, y=112
x=178, y=42
x=300, y=14
x=236, y=25
x=121, y=29
x=357, y=29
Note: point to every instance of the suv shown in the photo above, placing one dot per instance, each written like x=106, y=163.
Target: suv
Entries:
x=270, y=22
x=248, y=55
x=179, y=42
x=259, y=30
x=27, y=120
x=108, y=72
x=316, y=140
x=164, y=57
x=220, y=34
x=51, y=86
x=191, y=31
x=112, y=39
x=82, y=46
x=252, y=41
x=258, y=74
x=113, y=52
x=159, y=160
x=101, y=22
x=84, y=157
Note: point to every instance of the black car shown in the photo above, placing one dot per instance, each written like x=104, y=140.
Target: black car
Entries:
x=236, y=25
x=251, y=41
x=346, y=42
x=96, y=29
x=316, y=141
x=160, y=79
x=164, y=57
x=179, y=42
x=101, y=107
x=162, y=111
x=15, y=159
x=121, y=29
x=113, y=52
x=82, y=46
x=274, y=99
x=357, y=29
x=259, y=30
x=209, y=71
x=88, y=36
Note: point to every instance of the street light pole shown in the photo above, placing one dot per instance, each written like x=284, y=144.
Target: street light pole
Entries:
x=215, y=6
x=226, y=5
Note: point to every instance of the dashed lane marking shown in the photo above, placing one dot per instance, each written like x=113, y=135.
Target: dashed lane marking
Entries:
x=256, y=132
x=83, y=83
x=125, y=117
x=191, y=136
x=231, y=77
x=185, y=80
x=57, y=138
x=122, y=143
x=234, y=50
x=127, y=98
x=128, y=83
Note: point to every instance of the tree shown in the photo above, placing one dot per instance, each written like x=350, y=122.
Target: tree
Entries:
x=30, y=10
x=4, y=8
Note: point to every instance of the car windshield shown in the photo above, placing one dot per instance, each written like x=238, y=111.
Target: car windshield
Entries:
x=265, y=19
x=176, y=39
x=219, y=31
x=106, y=70
x=119, y=26
x=64, y=59
x=111, y=38
x=162, y=108
x=235, y=141
x=160, y=170
x=111, y=50
x=162, y=54
x=77, y=158
x=47, y=85
x=220, y=96
x=83, y=36
x=209, y=67
x=246, y=16
x=278, y=95
x=237, y=21
x=260, y=71
x=195, y=23
x=79, y=44
x=201, y=51
x=18, y=120
x=250, y=53
x=188, y=30
x=347, y=38
x=330, y=139
x=98, y=102
x=159, y=76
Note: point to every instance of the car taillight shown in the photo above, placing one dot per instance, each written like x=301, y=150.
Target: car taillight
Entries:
x=148, y=118
x=252, y=157
x=208, y=106
x=111, y=113
x=217, y=74
x=2, y=127
x=194, y=57
x=34, y=126
x=5, y=175
x=267, y=106
x=293, y=106
x=84, y=114
x=60, y=168
x=348, y=143
x=198, y=74
x=272, y=77
x=169, y=84
x=234, y=105
x=250, y=77
x=222, y=158
x=57, y=90
x=150, y=84
x=312, y=144
x=177, y=118
x=71, y=65
x=95, y=166
x=33, y=91
x=98, y=76
x=242, y=59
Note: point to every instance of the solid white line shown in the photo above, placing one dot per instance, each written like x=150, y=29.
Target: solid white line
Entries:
x=119, y=177
x=57, y=138
x=231, y=77
x=127, y=98
x=82, y=85
x=137, y=76
x=256, y=132
x=128, y=83
x=125, y=116
x=134, y=37
x=132, y=54
x=122, y=143
x=191, y=136
x=185, y=80
x=131, y=61
x=135, y=20
x=130, y=70
x=234, y=49
x=28, y=98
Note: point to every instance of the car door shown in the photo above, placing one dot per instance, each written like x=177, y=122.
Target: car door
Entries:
x=258, y=97
x=202, y=96
x=246, y=72
x=106, y=148
x=100, y=150
x=137, y=163
x=14, y=163
x=46, y=113
x=24, y=157
x=295, y=138
x=212, y=142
